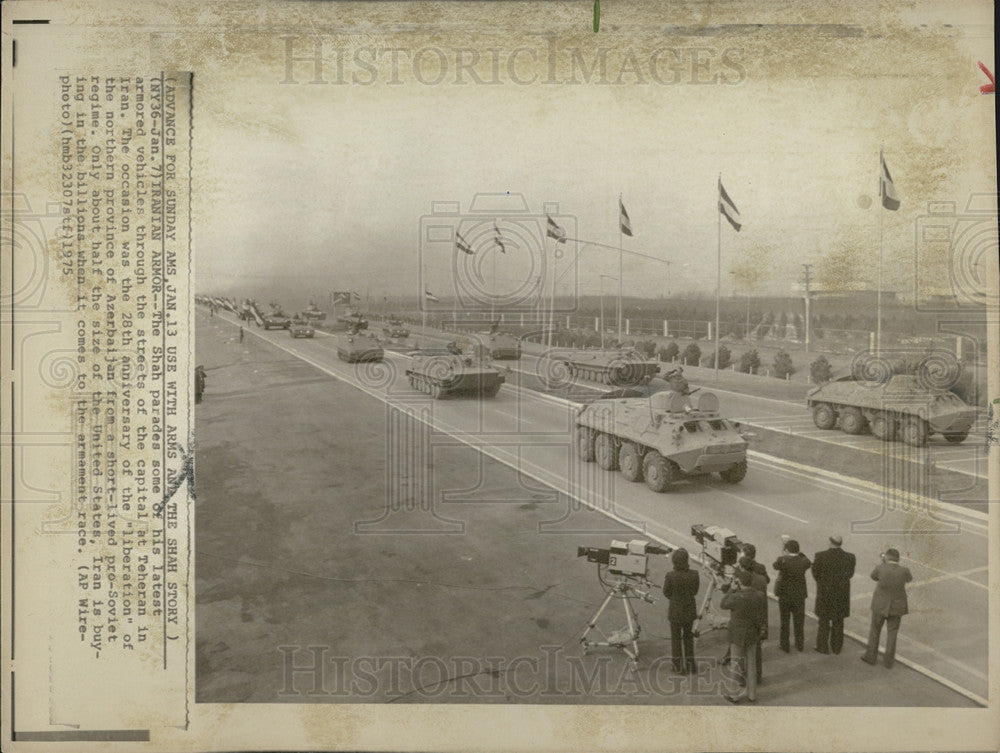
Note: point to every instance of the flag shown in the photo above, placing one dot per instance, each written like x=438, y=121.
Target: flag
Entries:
x=462, y=245
x=886, y=189
x=552, y=230
x=623, y=220
x=728, y=209
x=355, y=295
x=341, y=296
x=430, y=296
x=497, y=239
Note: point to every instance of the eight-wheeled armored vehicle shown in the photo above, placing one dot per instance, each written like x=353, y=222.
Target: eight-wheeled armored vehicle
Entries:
x=662, y=438
x=900, y=408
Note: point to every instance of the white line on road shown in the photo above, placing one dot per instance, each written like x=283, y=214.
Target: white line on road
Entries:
x=758, y=504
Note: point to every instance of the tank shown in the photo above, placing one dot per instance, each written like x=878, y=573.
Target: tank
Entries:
x=276, y=318
x=313, y=313
x=353, y=319
x=503, y=346
x=622, y=368
x=357, y=345
x=442, y=372
x=900, y=408
x=395, y=329
x=662, y=438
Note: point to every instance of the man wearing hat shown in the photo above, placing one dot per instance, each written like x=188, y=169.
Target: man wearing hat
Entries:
x=888, y=606
x=832, y=570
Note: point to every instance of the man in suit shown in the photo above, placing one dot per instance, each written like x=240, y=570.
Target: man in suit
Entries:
x=790, y=588
x=680, y=586
x=832, y=570
x=888, y=606
x=749, y=614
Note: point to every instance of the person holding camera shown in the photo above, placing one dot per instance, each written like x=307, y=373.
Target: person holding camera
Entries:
x=832, y=571
x=790, y=588
x=748, y=607
x=889, y=604
x=680, y=586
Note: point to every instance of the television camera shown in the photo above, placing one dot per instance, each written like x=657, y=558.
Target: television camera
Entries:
x=623, y=570
x=720, y=550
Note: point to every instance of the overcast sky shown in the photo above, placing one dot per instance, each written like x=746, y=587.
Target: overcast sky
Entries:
x=330, y=183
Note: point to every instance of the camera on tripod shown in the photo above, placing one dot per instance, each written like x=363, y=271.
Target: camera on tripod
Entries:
x=624, y=558
x=718, y=544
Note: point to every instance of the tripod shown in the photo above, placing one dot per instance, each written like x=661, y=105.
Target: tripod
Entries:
x=707, y=611
x=625, y=636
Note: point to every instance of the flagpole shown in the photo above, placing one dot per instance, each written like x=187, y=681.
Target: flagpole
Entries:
x=423, y=309
x=878, y=290
x=552, y=296
x=620, y=255
x=718, y=276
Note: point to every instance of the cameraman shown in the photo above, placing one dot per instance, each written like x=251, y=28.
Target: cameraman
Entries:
x=680, y=586
x=749, y=610
x=790, y=588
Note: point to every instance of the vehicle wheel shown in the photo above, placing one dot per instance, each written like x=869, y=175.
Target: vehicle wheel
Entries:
x=852, y=420
x=824, y=416
x=914, y=431
x=630, y=462
x=956, y=437
x=884, y=426
x=605, y=452
x=585, y=444
x=658, y=471
x=735, y=473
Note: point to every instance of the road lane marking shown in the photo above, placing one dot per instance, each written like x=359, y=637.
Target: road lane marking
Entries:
x=945, y=574
x=758, y=504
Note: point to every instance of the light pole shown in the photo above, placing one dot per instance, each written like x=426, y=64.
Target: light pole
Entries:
x=610, y=277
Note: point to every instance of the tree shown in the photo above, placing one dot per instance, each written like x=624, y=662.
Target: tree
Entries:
x=670, y=352
x=725, y=358
x=783, y=366
x=820, y=370
x=749, y=362
x=691, y=355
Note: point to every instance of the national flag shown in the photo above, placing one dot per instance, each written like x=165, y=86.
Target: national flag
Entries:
x=886, y=189
x=341, y=296
x=430, y=296
x=552, y=230
x=623, y=221
x=462, y=244
x=355, y=295
x=497, y=239
x=728, y=209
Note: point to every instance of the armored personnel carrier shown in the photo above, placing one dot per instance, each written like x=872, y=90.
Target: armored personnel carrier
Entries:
x=622, y=368
x=447, y=371
x=356, y=345
x=662, y=438
x=900, y=408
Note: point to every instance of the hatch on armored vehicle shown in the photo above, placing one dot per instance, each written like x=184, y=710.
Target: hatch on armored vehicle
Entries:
x=900, y=408
x=662, y=438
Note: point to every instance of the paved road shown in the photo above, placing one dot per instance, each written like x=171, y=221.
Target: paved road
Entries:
x=948, y=555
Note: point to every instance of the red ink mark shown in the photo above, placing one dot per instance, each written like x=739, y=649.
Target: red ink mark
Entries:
x=990, y=87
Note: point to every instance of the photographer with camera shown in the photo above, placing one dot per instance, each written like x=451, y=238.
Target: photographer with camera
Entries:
x=680, y=586
x=748, y=607
x=790, y=588
x=889, y=604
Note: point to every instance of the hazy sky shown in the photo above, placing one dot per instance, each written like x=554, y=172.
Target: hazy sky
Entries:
x=330, y=183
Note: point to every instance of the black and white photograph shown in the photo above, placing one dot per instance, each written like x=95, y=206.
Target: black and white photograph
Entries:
x=500, y=375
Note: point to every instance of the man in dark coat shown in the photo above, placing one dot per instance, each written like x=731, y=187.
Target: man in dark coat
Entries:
x=889, y=604
x=832, y=570
x=680, y=586
x=748, y=616
x=790, y=588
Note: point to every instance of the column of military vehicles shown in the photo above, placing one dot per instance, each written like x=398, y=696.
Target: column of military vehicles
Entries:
x=651, y=429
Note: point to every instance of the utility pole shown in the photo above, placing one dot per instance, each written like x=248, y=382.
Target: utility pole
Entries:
x=807, y=267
